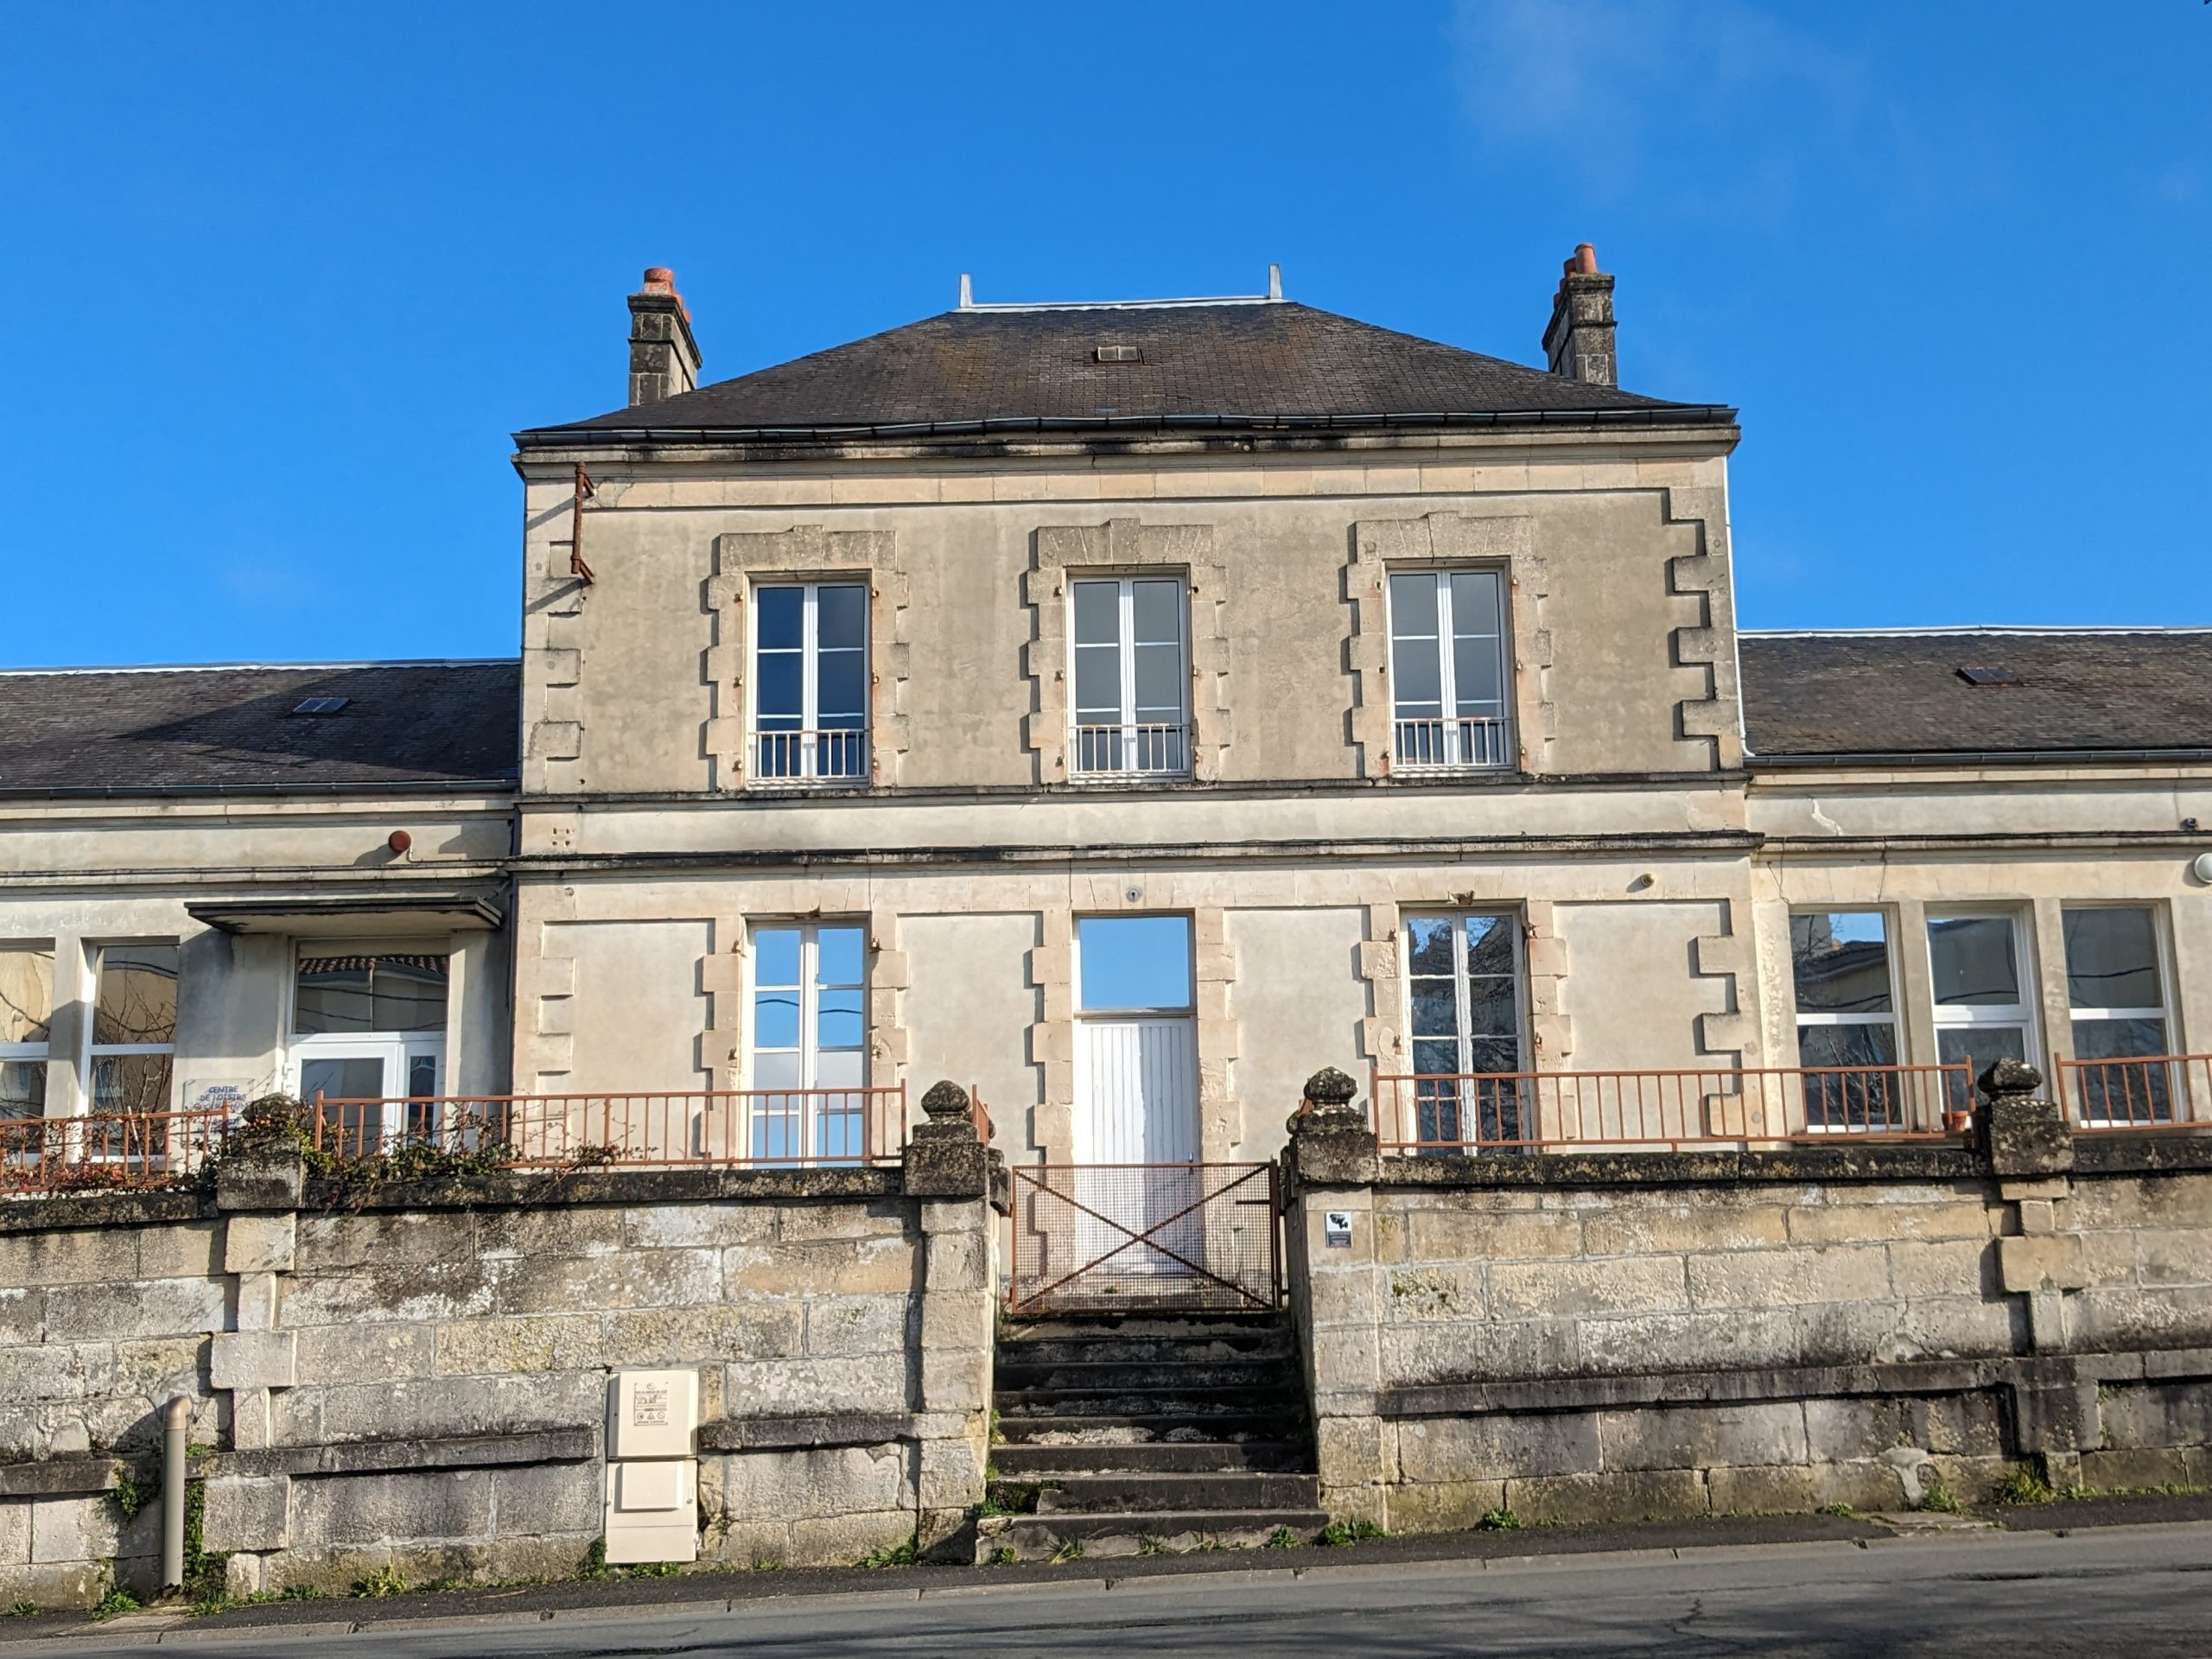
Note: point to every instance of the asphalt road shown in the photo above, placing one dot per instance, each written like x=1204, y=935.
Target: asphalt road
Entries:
x=2137, y=1592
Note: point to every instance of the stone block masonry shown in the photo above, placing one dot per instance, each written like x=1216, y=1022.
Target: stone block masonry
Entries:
x=1615, y=1336
x=415, y=1378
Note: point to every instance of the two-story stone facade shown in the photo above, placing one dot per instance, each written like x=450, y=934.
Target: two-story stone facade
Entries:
x=1128, y=708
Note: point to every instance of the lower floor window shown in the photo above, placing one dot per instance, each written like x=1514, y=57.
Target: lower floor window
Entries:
x=1463, y=979
x=369, y=1037
x=1846, y=1019
x=2116, y=988
x=1982, y=1012
x=810, y=1042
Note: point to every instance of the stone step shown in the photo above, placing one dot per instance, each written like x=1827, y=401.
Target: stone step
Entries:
x=1178, y=1493
x=1145, y=1427
x=1016, y=1403
x=1135, y=1325
x=1044, y=1537
x=1144, y=1375
x=1027, y=1462
x=1096, y=1347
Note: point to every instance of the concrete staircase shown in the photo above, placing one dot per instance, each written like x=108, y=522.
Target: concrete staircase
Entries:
x=1121, y=1434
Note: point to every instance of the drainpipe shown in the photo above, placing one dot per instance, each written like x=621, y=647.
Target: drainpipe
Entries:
x=176, y=1421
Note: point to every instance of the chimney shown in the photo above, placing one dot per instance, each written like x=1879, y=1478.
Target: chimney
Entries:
x=664, y=358
x=1579, y=342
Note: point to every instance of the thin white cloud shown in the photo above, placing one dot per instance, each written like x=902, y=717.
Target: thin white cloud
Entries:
x=1614, y=93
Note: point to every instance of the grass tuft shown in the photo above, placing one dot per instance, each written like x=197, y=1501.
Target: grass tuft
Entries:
x=1338, y=1534
x=384, y=1581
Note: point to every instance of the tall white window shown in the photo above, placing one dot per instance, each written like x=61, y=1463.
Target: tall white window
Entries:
x=810, y=681
x=133, y=1050
x=1447, y=671
x=1132, y=688
x=369, y=1037
x=1846, y=1019
x=810, y=1043
x=1976, y=966
x=1464, y=1016
x=2116, y=986
x=26, y=1027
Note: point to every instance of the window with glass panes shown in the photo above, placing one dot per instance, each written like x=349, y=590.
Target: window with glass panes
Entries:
x=1979, y=982
x=133, y=1049
x=369, y=1037
x=1847, y=1018
x=1131, y=702
x=810, y=1043
x=1447, y=670
x=2115, y=984
x=810, y=681
x=1463, y=1019
x=26, y=1027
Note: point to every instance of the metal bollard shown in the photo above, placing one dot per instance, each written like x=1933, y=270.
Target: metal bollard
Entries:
x=177, y=1422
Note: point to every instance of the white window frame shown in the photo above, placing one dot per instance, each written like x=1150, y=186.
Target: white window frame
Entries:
x=2162, y=955
x=398, y=1049
x=1967, y=1016
x=42, y=1053
x=1462, y=1005
x=1135, y=739
x=839, y=757
x=1463, y=742
x=1894, y=1020
x=808, y=1044
x=93, y=1051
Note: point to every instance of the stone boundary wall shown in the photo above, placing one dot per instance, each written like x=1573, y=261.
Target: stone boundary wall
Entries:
x=1669, y=1334
x=417, y=1377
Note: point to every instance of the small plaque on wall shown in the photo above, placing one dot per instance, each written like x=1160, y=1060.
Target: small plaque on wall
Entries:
x=1336, y=1228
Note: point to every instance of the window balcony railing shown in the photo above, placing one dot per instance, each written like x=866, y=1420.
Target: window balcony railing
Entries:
x=836, y=756
x=1571, y=1111
x=2151, y=1092
x=1460, y=744
x=1107, y=751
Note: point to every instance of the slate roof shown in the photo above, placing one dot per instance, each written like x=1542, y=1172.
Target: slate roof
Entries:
x=1231, y=365
x=131, y=731
x=1868, y=694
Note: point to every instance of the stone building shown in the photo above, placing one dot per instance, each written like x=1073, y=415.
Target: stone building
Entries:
x=1366, y=700
x=1160, y=716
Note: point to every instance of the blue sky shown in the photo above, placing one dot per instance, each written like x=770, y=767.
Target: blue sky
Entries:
x=279, y=280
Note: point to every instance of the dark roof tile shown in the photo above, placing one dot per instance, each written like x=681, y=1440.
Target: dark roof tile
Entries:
x=149, y=730
x=1824, y=693
x=1202, y=363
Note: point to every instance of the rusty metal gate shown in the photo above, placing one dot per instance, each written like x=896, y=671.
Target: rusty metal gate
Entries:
x=1097, y=1237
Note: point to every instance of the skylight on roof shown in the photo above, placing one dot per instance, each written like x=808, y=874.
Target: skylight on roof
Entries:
x=1989, y=676
x=321, y=705
x=1120, y=354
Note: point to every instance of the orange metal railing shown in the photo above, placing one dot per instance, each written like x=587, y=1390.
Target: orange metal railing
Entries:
x=734, y=1127
x=1118, y=1237
x=1528, y=1111
x=106, y=1150
x=2152, y=1091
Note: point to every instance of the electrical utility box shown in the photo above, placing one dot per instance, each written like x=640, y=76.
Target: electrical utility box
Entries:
x=652, y=1474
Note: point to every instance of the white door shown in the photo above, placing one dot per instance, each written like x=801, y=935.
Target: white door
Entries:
x=382, y=1088
x=1137, y=1109
x=1137, y=1089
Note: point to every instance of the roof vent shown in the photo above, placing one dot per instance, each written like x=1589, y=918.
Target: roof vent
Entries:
x=1989, y=676
x=321, y=705
x=1120, y=354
